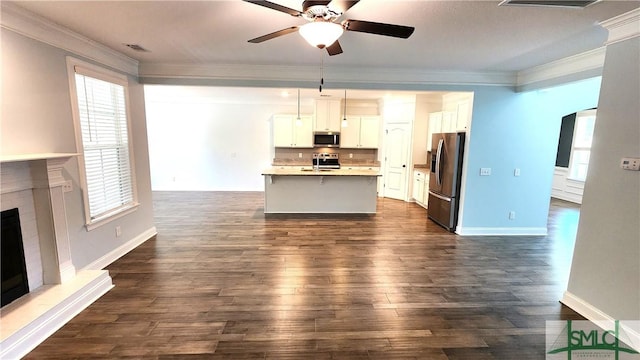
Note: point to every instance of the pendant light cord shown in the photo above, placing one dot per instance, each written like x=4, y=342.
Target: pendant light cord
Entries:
x=298, y=104
x=345, y=105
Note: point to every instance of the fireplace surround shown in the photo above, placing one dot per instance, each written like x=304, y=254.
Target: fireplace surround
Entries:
x=34, y=184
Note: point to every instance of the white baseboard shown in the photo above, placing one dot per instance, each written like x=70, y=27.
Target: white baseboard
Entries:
x=121, y=250
x=594, y=314
x=489, y=231
x=37, y=330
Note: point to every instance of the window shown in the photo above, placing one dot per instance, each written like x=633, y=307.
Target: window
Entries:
x=99, y=99
x=581, y=145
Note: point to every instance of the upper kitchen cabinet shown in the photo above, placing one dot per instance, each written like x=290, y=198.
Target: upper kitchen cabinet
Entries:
x=455, y=116
x=288, y=132
x=463, y=115
x=460, y=104
x=360, y=132
x=327, y=117
x=435, y=126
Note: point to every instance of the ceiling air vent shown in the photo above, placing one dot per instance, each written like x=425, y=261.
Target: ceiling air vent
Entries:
x=136, y=47
x=550, y=3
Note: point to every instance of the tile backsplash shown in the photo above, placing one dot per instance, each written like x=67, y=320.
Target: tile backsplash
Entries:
x=348, y=157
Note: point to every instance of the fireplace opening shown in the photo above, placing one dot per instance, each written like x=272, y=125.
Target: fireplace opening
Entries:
x=14, y=268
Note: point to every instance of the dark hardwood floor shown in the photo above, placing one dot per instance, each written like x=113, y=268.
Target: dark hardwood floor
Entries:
x=223, y=281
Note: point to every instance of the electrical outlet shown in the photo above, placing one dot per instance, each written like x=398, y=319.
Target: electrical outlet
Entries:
x=512, y=215
x=516, y=172
x=485, y=171
x=118, y=231
x=630, y=164
x=300, y=155
x=67, y=186
x=350, y=156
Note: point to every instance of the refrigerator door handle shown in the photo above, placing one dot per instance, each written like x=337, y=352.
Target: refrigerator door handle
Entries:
x=438, y=160
x=440, y=196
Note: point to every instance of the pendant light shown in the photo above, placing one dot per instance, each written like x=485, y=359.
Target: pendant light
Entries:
x=344, y=113
x=298, y=120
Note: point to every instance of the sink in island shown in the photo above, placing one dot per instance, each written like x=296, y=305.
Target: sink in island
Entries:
x=304, y=190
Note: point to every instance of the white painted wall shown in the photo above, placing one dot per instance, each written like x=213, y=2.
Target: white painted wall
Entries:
x=202, y=140
x=605, y=272
x=36, y=118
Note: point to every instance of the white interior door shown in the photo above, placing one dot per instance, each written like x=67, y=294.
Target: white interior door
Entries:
x=396, y=158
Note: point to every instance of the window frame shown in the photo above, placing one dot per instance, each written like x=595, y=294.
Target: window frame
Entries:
x=574, y=148
x=97, y=72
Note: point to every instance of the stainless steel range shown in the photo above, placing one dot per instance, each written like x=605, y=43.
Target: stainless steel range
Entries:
x=325, y=161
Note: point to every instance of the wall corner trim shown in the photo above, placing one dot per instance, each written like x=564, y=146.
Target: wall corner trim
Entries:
x=121, y=250
x=592, y=313
x=26, y=23
x=623, y=27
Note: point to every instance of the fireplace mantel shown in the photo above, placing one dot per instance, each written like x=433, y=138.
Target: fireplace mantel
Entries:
x=38, y=156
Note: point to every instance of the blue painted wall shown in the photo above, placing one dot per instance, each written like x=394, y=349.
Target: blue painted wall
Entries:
x=516, y=130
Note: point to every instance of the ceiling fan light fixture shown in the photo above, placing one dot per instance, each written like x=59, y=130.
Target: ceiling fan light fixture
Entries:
x=321, y=33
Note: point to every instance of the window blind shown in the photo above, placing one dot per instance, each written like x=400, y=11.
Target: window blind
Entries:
x=105, y=141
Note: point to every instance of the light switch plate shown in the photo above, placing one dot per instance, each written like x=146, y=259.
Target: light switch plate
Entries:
x=630, y=164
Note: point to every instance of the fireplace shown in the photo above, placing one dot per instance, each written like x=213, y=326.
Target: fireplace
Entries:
x=52, y=291
x=14, y=267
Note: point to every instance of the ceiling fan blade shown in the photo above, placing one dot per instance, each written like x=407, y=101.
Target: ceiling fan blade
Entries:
x=342, y=5
x=274, y=35
x=334, y=49
x=398, y=31
x=274, y=6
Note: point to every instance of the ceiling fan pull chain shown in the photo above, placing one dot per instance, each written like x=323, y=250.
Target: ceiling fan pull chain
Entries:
x=321, y=70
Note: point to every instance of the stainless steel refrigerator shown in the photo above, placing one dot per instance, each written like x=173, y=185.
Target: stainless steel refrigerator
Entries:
x=444, y=179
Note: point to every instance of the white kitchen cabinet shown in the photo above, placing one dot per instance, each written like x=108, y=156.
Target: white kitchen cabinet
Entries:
x=441, y=122
x=361, y=132
x=291, y=133
x=463, y=115
x=448, y=122
x=435, y=126
x=420, y=187
x=327, y=116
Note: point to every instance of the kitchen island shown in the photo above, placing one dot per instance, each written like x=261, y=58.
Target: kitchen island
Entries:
x=304, y=190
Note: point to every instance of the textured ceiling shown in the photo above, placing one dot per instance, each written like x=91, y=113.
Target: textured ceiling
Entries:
x=449, y=35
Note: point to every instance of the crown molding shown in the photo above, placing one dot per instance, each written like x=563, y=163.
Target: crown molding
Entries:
x=623, y=27
x=26, y=23
x=577, y=67
x=216, y=74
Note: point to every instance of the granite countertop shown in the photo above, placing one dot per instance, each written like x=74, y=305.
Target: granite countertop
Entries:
x=309, y=171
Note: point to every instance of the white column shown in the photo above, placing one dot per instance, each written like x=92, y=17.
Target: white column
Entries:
x=52, y=220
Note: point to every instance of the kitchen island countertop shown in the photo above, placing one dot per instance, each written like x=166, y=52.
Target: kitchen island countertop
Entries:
x=309, y=171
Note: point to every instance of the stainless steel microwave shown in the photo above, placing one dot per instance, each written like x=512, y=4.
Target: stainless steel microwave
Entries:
x=326, y=139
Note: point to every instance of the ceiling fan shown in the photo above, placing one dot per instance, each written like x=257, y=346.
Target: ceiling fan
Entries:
x=322, y=30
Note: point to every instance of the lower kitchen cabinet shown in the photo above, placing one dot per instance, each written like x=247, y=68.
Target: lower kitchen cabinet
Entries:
x=421, y=187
